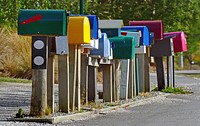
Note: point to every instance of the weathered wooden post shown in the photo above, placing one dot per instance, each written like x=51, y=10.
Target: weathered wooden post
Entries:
x=78, y=33
x=156, y=27
x=180, y=45
x=140, y=52
x=103, y=53
x=40, y=24
x=112, y=29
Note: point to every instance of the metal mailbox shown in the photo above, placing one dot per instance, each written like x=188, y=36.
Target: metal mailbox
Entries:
x=123, y=47
x=111, y=27
x=162, y=47
x=155, y=26
x=136, y=36
x=42, y=22
x=179, y=41
x=78, y=30
x=94, y=26
x=145, y=34
x=104, y=47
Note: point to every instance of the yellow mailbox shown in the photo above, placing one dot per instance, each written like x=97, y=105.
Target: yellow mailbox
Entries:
x=78, y=30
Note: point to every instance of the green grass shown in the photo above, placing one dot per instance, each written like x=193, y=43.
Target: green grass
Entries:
x=15, y=80
x=191, y=75
x=176, y=90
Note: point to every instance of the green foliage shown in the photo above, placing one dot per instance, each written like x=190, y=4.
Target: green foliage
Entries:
x=48, y=111
x=15, y=80
x=20, y=114
x=176, y=90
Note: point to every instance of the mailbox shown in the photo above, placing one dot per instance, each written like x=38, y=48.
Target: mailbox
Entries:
x=179, y=41
x=42, y=22
x=136, y=36
x=145, y=34
x=104, y=47
x=162, y=48
x=123, y=47
x=78, y=30
x=155, y=26
x=93, y=26
x=111, y=27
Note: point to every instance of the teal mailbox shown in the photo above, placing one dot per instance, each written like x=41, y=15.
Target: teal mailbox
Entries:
x=42, y=22
x=123, y=47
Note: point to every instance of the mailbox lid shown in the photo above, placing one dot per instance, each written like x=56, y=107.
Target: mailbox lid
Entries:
x=145, y=34
x=155, y=26
x=104, y=47
x=110, y=24
x=78, y=30
x=123, y=47
x=94, y=26
x=42, y=22
x=179, y=41
x=136, y=36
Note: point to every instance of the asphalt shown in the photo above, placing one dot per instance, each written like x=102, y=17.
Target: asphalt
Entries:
x=179, y=110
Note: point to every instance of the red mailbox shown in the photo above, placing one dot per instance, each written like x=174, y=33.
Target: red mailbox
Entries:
x=155, y=26
x=179, y=41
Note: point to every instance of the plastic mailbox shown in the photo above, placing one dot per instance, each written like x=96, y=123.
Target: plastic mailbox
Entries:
x=179, y=41
x=42, y=22
x=111, y=27
x=155, y=26
x=78, y=30
x=123, y=47
x=104, y=47
x=136, y=36
x=145, y=34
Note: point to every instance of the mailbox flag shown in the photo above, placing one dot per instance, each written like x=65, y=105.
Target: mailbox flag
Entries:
x=39, y=52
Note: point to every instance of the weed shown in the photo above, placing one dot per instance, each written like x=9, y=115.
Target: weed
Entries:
x=48, y=111
x=177, y=90
x=20, y=113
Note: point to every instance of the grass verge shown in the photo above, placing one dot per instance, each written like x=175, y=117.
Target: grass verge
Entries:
x=191, y=75
x=15, y=80
x=176, y=90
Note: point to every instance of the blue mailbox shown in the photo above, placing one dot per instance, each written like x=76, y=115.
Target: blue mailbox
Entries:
x=104, y=47
x=145, y=34
x=94, y=26
x=111, y=27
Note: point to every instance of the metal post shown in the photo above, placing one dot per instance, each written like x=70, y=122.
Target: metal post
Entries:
x=81, y=6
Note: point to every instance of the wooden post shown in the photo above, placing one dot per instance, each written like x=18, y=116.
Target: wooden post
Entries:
x=113, y=82
x=160, y=73
x=78, y=80
x=107, y=83
x=117, y=79
x=84, y=79
x=92, y=84
x=137, y=74
x=50, y=77
x=50, y=83
x=124, y=79
x=141, y=67
x=146, y=70
x=39, y=81
x=72, y=74
x=63, y=80
x=131, y=85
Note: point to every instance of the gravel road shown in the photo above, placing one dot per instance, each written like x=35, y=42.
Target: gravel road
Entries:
x=14, y=96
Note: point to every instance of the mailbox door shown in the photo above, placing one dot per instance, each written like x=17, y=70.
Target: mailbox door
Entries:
x=42, y=22
x=123, y=47
x=78, y=30
x=93, y=26
x=155, y=26
x=104, y=47
x=162, y=48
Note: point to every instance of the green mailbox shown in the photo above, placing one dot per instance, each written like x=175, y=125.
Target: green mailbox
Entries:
x=123, y=47
x=42, y=22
